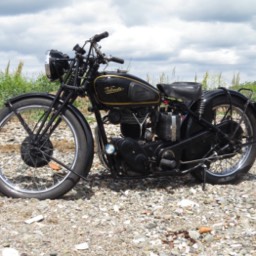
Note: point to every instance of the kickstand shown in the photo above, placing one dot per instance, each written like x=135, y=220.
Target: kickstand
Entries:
x=204, y=176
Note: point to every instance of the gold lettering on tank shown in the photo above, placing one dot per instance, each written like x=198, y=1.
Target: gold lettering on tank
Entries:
x=112, y=89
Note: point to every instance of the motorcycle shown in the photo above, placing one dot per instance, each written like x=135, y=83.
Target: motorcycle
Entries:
x=171, y=129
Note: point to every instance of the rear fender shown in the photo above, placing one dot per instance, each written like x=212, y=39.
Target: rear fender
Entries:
x=191, y=127
x=210, y=95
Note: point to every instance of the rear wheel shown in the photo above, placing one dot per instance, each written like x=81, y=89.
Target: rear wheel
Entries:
x=40, y=167
x=234, y=160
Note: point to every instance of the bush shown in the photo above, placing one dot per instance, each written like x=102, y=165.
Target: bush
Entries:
x=13, y=84
x=247, y=85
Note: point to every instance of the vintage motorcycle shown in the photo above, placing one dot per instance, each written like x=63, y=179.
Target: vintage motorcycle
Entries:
x=172, y=129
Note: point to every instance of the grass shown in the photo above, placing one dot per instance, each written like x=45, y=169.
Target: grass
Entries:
x=247, y=85
x=14, y=83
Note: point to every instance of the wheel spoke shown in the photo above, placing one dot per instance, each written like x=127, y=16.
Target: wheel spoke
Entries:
x=227, y=166
x=25, y=161
x=21, y=119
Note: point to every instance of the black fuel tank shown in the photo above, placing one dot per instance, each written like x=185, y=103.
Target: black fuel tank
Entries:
x=122, y=89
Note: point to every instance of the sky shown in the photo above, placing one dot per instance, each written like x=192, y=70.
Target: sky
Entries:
x=182, y=39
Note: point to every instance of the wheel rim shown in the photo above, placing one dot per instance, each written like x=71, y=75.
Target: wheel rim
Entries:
x=228, y=166
x=17, y=167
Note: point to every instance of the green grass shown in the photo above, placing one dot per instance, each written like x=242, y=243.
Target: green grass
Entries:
x=13, y=84
x=247, y=85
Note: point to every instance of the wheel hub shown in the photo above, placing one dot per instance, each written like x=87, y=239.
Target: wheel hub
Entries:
x=36, y=153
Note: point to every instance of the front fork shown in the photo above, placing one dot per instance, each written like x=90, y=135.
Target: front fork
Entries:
x=103, y=140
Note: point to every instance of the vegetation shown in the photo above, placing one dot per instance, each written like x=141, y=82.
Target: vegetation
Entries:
x=250, y=89
x=14, y=83
x=215, y=81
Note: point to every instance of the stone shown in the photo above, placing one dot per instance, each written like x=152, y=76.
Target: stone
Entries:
x=194, y=234
x=34, y=219
x=187, y=203
x=82, y=246
x=9, y=252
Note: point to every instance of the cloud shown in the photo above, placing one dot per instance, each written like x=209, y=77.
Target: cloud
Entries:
x=17, y=7
x=217, y=57
x=191, y=36
x=218, y=10
x=34, y=32
x=150, y=12
x=32, y=65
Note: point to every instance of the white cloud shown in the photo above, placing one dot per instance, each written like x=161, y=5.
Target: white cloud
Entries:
x=31, y=63
x=15, y=7
x=221, y=56
x=153, y=37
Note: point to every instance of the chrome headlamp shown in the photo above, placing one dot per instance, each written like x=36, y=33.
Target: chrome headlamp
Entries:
x=47, y=64
x=56, y=64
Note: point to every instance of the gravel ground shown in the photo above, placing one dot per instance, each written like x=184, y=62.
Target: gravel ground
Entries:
x=171, y=216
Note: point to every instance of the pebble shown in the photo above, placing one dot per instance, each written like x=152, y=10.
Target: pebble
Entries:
x=187, y=203
x=194, y=234
x=9, y=252
x=34, y=219
x=145, y=218
x=82, y=246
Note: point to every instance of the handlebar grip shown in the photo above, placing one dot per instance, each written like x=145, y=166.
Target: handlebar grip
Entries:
x=99, y=37
x=117, y=60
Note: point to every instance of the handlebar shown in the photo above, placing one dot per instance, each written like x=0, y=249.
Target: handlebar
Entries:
x=94, y=40
x=117, y=60
x=99, y=37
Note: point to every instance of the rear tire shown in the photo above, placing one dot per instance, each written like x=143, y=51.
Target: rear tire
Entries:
x=27, y=169
x=231, y=169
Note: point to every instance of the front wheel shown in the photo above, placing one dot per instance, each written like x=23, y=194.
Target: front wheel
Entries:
x=238, y=160
x=33, y=166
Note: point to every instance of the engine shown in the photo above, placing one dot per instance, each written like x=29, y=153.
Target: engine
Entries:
x=147, y=124
x=143, y=130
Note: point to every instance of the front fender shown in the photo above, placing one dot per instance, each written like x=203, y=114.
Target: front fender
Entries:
x=73, y=109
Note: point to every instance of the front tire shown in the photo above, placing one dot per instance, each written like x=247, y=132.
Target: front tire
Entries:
x=41, y=170
x=231, y=169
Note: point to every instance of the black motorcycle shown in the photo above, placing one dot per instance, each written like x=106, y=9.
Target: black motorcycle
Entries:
x=172, y=129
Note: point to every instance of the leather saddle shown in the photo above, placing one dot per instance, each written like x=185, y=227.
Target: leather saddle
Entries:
x=187, y=91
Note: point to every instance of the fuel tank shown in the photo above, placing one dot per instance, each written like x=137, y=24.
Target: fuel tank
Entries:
x=122, y=89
